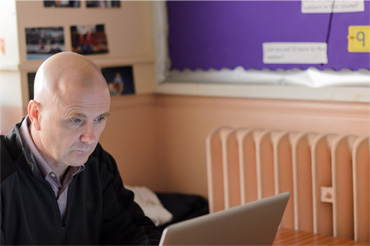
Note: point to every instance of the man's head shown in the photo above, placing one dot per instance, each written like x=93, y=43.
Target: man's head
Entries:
x=69, y=110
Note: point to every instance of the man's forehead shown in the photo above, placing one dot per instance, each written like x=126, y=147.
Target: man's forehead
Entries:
x=83, y=107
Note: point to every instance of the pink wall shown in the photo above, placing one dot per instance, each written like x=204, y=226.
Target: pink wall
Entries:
x=159, y=140
x=132, y=137
x=9, y=116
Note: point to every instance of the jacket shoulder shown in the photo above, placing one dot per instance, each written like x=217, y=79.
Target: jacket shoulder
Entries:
x=10, y=152
x=6, y=160
x=104, y=158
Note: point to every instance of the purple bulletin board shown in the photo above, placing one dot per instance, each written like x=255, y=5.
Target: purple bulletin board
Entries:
x=228, y=34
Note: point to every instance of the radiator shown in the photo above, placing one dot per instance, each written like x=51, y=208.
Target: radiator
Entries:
x=326, y=174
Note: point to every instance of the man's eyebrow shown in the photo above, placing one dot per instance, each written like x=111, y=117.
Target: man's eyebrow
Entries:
x=107, y=114
x=76, y=115
x=80, y=115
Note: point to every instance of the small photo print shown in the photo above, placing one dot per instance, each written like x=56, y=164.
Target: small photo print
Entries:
x=89, y=39
x=61, y=4
x=31, y=80
x=103, y=4
x=2, y=46
x=42, y=42
x=120, y=80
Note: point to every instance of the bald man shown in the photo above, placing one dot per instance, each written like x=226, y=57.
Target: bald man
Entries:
x=58, y=185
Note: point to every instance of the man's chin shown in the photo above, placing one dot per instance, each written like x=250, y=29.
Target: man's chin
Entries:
x=77, y=158
x=78, y=161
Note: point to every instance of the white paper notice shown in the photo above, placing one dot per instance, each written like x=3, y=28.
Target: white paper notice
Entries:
x=326, y=6
x=295, y=53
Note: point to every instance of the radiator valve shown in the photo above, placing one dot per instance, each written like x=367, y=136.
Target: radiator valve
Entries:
x=327, y=194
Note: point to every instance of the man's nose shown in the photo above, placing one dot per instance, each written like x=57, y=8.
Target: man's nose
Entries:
x=88, y=134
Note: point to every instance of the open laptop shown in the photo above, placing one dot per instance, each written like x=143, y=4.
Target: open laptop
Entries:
x=254, y=223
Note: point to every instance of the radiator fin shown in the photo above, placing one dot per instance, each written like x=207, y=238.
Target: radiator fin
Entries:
x=328, y=177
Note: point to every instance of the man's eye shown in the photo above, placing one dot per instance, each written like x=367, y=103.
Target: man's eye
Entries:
x=100, y=118
x=76, y=121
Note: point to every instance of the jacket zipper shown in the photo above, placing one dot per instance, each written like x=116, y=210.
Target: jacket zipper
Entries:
x=55, y=205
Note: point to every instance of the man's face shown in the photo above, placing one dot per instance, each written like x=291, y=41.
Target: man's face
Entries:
x=71, y=126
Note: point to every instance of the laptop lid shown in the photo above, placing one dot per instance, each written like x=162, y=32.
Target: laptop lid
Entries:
x=254, y=223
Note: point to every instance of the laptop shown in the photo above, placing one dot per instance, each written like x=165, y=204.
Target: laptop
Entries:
x=254, y=223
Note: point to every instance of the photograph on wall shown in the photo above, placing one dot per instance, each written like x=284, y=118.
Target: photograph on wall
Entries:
x=89, y=39
x=61, y=4
x=120, y=80
x=103, y=4
x=42, y=42
x=30, y=79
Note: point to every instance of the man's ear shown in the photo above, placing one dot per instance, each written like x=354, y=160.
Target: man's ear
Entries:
x=34, y=110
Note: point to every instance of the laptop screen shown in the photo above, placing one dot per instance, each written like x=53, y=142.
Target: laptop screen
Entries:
x=254, y=223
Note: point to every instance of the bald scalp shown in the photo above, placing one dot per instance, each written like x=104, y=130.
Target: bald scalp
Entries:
x=66, y=71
